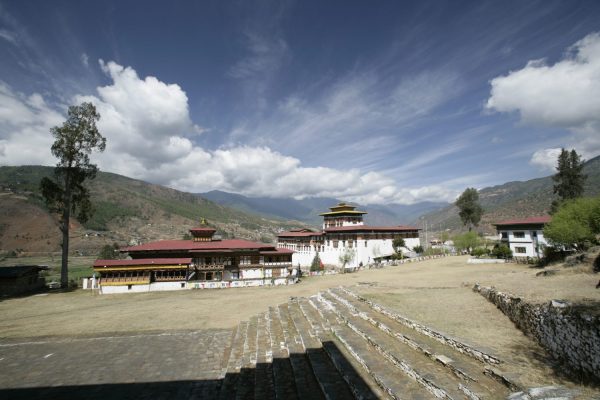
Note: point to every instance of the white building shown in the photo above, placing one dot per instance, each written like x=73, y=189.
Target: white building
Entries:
x=344, y=232
x=203, y=262
x=525, y=237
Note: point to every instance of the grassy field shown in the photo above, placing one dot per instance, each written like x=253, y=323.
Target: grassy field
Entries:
x=79, y=267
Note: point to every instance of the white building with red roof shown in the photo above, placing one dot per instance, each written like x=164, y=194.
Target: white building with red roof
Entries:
x=344, y=232
x=202, y=262
x=524, y=236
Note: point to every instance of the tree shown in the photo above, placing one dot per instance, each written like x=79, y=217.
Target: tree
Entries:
x=466, y=241
x=418, y=249
x=470, y=210
x=74, y=142
x=576, y=223
x=316, y=264
x=398, y=243
x=569, y=178
x=346, y=257
x=109, y=252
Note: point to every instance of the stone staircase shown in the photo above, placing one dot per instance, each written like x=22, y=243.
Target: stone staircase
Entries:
x=338, y=345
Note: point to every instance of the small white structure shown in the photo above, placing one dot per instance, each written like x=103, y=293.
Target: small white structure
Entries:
x=344, y=233
x=525, y=237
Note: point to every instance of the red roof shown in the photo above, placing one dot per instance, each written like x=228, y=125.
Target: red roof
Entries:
x=526, y=221
x=142, y=261
x=189, y=245
x=299, y=234
x=203, y=230
x=363, y=228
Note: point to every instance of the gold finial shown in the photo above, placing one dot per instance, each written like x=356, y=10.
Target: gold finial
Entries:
x=203, y=221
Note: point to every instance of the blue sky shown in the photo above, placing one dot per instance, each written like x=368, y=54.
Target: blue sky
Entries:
x=375, y=102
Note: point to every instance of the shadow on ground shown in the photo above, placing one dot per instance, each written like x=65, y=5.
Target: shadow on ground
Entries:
x=263, y=380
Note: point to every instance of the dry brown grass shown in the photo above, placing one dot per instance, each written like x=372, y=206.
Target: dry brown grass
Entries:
x=435, y=292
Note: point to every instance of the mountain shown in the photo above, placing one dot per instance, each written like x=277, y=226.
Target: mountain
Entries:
x=514, y=200
x=127, y=211
x=308, y=210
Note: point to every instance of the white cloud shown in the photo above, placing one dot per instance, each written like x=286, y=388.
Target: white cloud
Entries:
x=545, y=159
x=85, y=60
x=145, y=118
x=147, y=126
x=25, y=123
x=565, y=94
x=8, y=36
x=354, y=108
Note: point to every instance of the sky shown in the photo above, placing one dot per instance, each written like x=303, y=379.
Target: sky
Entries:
x=372, y=102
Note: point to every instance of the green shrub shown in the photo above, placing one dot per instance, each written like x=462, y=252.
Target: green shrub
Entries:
x=418, y=249
x=575, y=224
x=434, y=251
x=466, y=241
x=552, y=254
x=480, y=252
x=502, y=251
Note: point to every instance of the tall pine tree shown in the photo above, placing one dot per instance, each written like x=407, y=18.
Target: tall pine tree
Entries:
x=66, y=193
x=569, y=178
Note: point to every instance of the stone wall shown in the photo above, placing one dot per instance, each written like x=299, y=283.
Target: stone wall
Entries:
x=571, y=334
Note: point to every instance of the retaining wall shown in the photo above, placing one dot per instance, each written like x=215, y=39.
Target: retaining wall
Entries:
x=571, y=334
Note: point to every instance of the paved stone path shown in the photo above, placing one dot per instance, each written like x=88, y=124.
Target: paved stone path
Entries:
x=169, y=365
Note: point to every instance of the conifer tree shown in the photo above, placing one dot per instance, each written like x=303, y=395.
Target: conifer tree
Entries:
x=569, y=179
x=66, y=193
x=316, y=263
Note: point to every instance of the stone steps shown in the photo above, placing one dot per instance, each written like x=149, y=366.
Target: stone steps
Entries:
x=234, y=363
x=428, y=372
x=440, y=337
x=358, y=380
x=245, y=382
x=264, y=387
x=331, y=383
x=472, y=373
x=337, y=345
x=283, y=375
x=307, y=386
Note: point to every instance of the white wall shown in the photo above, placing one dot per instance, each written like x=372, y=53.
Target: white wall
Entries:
x=527, y=241
x=365, y=251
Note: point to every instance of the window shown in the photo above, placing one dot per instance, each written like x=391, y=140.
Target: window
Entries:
x=521, y=250
x=504, y=235
x=245, y=260
x=519, y=235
